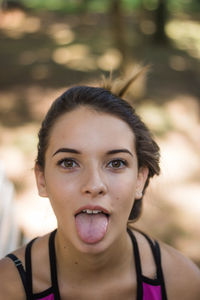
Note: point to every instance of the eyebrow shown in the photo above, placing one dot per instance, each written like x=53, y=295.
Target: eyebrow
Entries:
x=70, y=150
x=115, y=151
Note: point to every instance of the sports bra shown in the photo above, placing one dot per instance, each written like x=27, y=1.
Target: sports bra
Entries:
x=147, y=289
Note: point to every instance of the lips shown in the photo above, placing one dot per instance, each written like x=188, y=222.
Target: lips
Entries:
x=92, y=210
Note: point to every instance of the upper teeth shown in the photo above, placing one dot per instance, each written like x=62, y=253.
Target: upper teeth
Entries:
x=89, y=211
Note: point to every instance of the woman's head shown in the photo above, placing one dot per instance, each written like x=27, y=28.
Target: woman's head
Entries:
x=102, y=100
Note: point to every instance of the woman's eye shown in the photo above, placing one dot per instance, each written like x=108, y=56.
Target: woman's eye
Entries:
x=67, y=163
x=117, y=164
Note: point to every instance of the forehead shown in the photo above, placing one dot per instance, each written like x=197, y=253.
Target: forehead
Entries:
x=85, y=126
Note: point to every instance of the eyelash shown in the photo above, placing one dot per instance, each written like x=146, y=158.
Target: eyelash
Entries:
x=123, y=163
x=60, y=162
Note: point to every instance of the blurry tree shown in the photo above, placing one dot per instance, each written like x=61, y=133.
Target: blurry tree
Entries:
x=159, y=15
x=160, y=19
x=12, y=4
x=83, y=5
x=157, y=12
x=118, y=27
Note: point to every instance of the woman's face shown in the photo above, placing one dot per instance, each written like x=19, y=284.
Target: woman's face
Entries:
x=91, y=177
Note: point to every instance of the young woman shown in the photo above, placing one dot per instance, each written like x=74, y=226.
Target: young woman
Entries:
x=95, y=159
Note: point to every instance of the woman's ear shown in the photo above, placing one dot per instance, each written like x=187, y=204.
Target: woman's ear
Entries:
x=141, y=179
x=40, y=180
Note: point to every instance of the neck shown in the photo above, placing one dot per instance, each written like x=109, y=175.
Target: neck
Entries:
x=115, y=257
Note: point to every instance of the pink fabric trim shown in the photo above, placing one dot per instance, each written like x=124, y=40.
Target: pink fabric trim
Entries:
x=50, y=297
x=151, y=292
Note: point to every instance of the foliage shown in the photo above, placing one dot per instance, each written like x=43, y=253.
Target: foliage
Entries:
x=70, y=6
x=75, y=6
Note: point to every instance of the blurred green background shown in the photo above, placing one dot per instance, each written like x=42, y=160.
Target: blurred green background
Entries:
x=47, y=46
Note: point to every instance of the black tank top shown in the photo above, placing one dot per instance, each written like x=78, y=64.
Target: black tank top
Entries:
x=147, y=288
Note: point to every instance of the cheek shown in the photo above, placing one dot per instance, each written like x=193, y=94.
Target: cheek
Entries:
x=126, y=184
x=124, y=191
x=59, y=191
x=58, y=183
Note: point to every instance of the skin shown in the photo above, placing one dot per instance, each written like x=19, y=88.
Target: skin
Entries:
x=93, y=174
x=91, y=179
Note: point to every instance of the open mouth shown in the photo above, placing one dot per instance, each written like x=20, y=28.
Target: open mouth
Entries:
x=91, y=224
x=92, y=212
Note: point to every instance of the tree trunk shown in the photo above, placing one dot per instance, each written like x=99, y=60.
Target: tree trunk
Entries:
x=118, y=29
x=160, y=22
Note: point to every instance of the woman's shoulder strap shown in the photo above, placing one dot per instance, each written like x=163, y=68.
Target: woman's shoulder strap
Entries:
x=137, y=263
x=155, y=248
x=20, y=269
x=53, y=267
x=28, y=268
x=25, y=274
x=160, y=274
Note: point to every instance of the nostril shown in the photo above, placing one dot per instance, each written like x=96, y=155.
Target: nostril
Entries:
x=94, y=188
x=97, y=192
x=94, y=192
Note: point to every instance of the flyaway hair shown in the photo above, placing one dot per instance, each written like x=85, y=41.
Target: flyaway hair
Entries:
x=120, y=87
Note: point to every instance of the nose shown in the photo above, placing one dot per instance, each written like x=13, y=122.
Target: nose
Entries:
x=94, y=183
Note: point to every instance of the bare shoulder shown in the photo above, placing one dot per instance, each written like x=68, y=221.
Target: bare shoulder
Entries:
x=10, y=283
x=11, y=286
x=182, y=276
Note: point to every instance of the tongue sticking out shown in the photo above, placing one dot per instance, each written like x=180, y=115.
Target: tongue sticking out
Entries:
x=91, y=228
